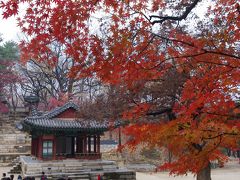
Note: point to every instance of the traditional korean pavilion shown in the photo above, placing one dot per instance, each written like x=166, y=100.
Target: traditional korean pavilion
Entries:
x=60, y=134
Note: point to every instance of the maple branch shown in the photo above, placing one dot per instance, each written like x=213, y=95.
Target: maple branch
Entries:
x=224, y=115
x=149, y=42
x=191, y=56
x=192, y=45
x=203, y=51
x=174, y=18
x=221, y=134
x=93, y=4
x=221, y=53
x=168, y=111
x=173, y=40
x=238, y=9
x=198, y=146
x=159, y=112
x=138, y=12
x=220, y=140
x=219, y=64
x=213, y=137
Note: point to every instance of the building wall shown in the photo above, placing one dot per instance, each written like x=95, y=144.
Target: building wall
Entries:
x=69, y=113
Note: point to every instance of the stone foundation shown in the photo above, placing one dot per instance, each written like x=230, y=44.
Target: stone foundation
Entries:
x=75, y=169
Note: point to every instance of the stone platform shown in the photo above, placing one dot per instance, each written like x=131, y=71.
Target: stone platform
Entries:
x=75, y=169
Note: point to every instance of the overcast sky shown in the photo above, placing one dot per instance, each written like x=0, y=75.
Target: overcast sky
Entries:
x=9, y=29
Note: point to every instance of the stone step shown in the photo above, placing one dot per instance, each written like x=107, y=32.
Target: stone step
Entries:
x=16, y=166
x=10, y=136
x=56, y=176
x=7, y=127
x=14, y=172
x=9, y=150
x=8, y=157
x=83, y=177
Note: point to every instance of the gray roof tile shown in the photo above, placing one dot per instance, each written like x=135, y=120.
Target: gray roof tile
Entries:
x=61, y=109
x=49, y=122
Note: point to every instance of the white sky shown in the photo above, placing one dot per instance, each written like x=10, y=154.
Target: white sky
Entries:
x=8, y=27
x=10, y=31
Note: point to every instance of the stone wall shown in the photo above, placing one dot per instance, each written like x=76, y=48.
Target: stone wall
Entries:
x=13, y=142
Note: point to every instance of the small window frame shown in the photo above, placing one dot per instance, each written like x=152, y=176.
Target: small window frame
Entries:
x=47, y=149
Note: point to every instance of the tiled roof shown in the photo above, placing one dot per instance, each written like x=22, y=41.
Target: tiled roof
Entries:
x=49, y=122
x=57, y=124
x=61, y=109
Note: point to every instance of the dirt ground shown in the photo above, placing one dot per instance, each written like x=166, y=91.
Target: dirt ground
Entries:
x=231, y=171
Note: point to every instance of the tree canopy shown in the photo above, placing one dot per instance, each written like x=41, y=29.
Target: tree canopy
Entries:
x=9, y=51
x=174, y=62
x=8, y=56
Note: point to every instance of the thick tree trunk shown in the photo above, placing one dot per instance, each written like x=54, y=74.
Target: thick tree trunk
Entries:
x=205, y=173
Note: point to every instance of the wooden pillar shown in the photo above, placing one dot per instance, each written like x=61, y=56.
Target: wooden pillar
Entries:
x=37, y=147
x=73, y=145
x=89, y=144
x=85, y=144
x=95, y=143
x=33, y=146
x=98, y=143
x=120, y=139
x=54, y=148
x=78, y=144
x=81, y=143
x=40, y=147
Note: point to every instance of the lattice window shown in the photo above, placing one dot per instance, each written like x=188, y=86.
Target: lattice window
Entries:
x=47, y=149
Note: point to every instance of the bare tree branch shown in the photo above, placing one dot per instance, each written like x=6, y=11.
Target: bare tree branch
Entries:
x=161, y=19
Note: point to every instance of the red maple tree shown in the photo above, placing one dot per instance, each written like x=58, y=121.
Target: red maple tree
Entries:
x=135, y=44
